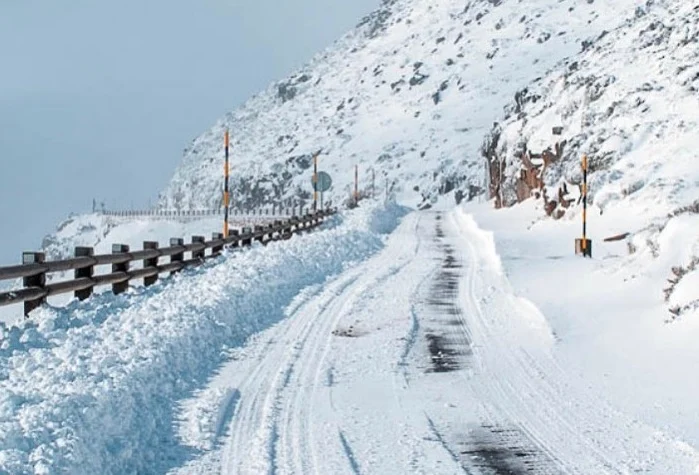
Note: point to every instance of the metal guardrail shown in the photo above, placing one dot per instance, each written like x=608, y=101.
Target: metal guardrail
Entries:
x=273, y=211
x=34, y=269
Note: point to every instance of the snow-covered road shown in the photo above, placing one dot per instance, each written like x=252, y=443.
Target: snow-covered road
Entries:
x=419, y=360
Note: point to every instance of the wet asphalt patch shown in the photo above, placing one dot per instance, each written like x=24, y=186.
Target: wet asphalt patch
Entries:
x=486, y=449
x=447, y=348
x=501, y=450
x=444, y=357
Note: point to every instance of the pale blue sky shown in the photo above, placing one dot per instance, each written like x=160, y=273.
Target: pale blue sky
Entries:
x=98, y=99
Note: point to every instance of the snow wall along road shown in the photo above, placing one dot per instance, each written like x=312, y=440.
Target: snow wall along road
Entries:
x=92, y=387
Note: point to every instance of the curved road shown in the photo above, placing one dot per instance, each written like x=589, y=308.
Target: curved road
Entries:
x=421, y=360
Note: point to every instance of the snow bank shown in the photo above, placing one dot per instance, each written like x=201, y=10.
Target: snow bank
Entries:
x=90, y=388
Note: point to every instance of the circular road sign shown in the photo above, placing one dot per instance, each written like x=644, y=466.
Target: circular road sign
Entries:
x=324, y=182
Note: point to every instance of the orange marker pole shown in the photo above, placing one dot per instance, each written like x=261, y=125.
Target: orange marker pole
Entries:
x=584, y=215
x=226, y=194
x=315, y=182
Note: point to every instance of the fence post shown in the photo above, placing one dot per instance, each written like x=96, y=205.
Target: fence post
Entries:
x=234, y=233
x=198, y=254
x=280, y=228
x=38, y=280
x=178, y=257
x=258, y=229
x=153, y=262
x=216, y=250
x=84, y=272
x=120, y=287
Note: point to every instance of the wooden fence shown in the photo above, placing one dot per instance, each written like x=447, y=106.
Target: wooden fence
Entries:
x=34, y=268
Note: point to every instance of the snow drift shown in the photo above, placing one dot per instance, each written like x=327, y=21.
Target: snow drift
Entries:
x=90, y=388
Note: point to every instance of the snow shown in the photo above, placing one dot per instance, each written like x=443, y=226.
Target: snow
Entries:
x=454, y=340
x=351, y=382
x=100, y=232
x=608, y=313
x=89, y=388
x=629, y=101
x=410, y=94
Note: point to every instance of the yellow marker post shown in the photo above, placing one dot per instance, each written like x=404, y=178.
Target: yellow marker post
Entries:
x=315, y=182
x=226, y=194
x=584, y=246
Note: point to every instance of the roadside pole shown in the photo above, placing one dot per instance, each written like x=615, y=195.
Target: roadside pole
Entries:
x=226, y=194
x=315, y=183
x=584, y=246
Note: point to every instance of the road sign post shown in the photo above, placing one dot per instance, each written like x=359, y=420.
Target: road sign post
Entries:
x=321, y=183
x=584, y=246
x=315, y=182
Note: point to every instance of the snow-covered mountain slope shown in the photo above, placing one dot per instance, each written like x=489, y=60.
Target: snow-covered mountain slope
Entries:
x=630, y=101
x=410, y=93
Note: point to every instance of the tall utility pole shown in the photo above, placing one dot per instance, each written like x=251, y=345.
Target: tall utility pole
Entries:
x=226, y=194
x=315, y=182
x=356, y=185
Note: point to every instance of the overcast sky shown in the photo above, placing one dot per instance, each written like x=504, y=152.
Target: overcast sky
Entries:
x=98, y=99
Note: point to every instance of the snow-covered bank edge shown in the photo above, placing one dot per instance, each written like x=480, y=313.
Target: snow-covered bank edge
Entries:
x=90, y=388
x=607, y=314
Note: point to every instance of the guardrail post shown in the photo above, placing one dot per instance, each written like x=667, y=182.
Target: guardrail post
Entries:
x=246, y=241
x=198, y=254
x=120, y=287
x=38, y=280
x=280, y=228
x=234, y=233
x=259, y=229
x=179, y=257
x=216, y=250
x=88, y=272
x=153, y=262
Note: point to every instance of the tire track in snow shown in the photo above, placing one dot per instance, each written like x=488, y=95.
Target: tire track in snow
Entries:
x=350, y=455
x=443, y=443
x=370, y=282
x=285, y=441
x=265, y=411
x=450, y=348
